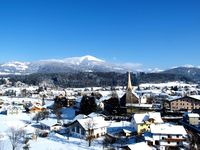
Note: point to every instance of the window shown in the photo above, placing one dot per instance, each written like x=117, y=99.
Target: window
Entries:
x=169, y=136
x=82, y=132
x=77, y=129
x=73, y=129
x=157, y=142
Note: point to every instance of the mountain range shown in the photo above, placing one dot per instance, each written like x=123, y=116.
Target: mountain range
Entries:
x=75, y=64
x=88, y=64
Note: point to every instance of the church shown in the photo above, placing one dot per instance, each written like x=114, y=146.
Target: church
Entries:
x=129, y=98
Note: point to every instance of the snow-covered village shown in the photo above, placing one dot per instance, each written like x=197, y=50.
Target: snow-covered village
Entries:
x=99, y=75
x=147, y=116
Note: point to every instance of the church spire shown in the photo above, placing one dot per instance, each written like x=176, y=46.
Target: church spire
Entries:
x=129, y=87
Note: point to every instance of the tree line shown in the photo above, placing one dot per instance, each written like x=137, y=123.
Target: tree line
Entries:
x=93, y=79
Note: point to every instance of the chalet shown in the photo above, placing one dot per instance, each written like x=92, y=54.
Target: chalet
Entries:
x=183, y=103
x=142, y=122
x=163, y=136
x=37, y=108
x=83, y=128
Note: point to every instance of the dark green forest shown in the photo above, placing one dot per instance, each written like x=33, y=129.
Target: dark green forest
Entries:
x=94, y=79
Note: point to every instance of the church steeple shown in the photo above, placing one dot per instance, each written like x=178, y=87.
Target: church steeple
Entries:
x=129, y=87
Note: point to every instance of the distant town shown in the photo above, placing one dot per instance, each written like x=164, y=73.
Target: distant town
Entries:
x=161, y=116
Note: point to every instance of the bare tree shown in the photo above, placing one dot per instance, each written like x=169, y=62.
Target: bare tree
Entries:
x=16, y=137
x=90, y=134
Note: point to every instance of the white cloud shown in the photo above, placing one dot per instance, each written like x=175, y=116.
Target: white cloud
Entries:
x=154, y=70
x=133, y=66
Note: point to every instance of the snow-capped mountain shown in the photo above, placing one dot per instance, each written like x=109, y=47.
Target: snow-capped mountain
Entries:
x=85, y=64
x=14, y=67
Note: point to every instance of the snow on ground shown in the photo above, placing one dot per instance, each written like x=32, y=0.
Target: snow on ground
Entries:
x=59, y=142
x=19, y=100
x=168, y=84
x=52, y=142
x=116, y=126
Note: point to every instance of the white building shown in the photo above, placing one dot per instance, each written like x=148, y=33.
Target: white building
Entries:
x=14, y=110
x=97, y=126
x=166, y=135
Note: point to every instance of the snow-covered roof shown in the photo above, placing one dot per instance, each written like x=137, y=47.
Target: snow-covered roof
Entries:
x=141, y=118
x=93, y=114
x=195, y=96
x=156, y=116
x=167, y=129
x=95, y=122
x=194, y=115
x=139, y=146
x=171, y=98
x=80, y=116
x=49, y=122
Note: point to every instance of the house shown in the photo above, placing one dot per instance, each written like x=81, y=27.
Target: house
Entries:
x=183, y=103
x=82, y=128
x=14, y=110
x=65, y=101
x=191, y=118
x=51, y=124
x=36, y=108
x=163, y=136
x=142, y=122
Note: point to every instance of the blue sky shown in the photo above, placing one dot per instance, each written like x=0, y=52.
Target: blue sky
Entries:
x=155, y=33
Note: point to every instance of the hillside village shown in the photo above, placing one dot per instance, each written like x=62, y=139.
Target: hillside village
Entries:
x=162, y=116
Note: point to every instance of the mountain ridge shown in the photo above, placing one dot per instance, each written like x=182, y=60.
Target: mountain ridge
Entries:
x=86, y=63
